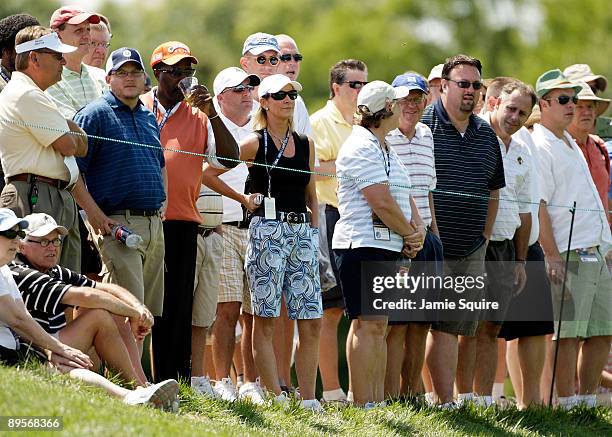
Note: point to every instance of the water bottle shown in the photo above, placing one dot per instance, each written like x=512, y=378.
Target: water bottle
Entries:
x=126, y=236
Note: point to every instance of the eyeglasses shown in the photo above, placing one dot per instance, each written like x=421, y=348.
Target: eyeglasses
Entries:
x=123, y=74
x=280, y=95
x=57, y=242
x=287, y=57
x=11, y=234
x=465, y=84
x=564, y=99
x=178, y=72
x=355, y=84
x=100, y=45
x=58, y=56
x=416, y=101
x=239, y=88
x=261, y=60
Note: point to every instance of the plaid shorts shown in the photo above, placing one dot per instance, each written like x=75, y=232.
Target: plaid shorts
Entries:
x=233, y=284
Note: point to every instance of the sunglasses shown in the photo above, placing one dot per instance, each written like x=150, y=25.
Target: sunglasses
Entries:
x=564, y=100
x=178, y=72
x=355, y=84
x=261, y=59
x=11, y=234
x=57, y=242
x=280, y=95
x=287, y=57
x=239, y=88
x=465, y=84
x=58, y=56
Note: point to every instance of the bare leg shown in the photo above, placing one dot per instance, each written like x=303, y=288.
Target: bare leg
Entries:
x=395, y=355
x=466, y=362
x=224, y=337
x=486, y=354
x=307, y=356
x=246, y=346
x=263, y=352
x=198, y=350
x=92, y=378
x=414, y=356
x=328, y=349
x=514, y=369
x=442, y=362
x=546, y=380
x=531, y=353
x=566, y=367
x=593, y=359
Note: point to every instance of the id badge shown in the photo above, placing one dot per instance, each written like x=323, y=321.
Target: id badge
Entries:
x=382, y=233
x=270, y=208
x=586, y=256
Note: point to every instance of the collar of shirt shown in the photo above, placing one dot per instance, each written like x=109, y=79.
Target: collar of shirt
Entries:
x=475, y=121
x=115, y=103
x=334, y=113
x=159, y=107
x=419, y=133
x=551, y=138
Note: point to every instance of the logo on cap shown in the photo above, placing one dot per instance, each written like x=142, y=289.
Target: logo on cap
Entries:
x=126, y=53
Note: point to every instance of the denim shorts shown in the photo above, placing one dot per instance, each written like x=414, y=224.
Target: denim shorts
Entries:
x=283, y=258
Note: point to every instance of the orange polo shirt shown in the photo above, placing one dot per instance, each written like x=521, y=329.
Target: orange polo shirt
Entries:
x=598, y=160
x=186, y=129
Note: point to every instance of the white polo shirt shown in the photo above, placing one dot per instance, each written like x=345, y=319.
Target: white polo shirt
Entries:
x=417, y=154
x=7, y=287
x=564, y=178
x=515, y=197
x=360, y=164
x=524, y=135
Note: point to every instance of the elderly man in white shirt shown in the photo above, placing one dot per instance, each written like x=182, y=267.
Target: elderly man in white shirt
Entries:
x=565, y=179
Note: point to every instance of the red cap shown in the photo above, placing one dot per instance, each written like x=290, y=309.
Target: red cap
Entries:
x=72, y=15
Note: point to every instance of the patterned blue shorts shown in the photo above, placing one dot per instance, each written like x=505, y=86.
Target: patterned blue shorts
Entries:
x=284, y=257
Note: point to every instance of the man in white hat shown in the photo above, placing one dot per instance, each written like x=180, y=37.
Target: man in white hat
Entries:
x=435, y=82
x=35, y=159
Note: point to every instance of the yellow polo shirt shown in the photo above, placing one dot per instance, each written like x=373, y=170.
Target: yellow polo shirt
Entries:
x=329, y=131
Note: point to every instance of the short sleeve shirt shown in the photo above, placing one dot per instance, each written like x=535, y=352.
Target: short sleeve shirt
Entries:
x=361, y=163
x=29, y=123
x=42, y=293
x=7, y=288
x=76, y=90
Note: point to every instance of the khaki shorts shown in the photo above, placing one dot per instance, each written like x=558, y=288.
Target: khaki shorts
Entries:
x=140, y=271
x=233, y=284
x=206, y=284
x=59, y=204
x=587, y=309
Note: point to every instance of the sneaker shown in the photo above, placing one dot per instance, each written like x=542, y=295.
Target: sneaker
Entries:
x=252, y=391
x=201, y=385
x=464, y=398
x=282, y=399
x=370, y=405
x=448, y=406
x=483, y=401
x=163, y=395
x=225, y=390
x=312, y=405
x=336, y=395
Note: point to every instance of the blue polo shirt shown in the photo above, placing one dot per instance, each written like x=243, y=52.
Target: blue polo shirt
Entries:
x=119, y=175
x=470, y=164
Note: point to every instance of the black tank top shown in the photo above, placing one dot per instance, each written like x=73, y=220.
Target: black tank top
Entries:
x=288, y=187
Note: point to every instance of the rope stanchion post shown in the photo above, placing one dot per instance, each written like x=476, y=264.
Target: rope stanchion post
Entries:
x=558, y=341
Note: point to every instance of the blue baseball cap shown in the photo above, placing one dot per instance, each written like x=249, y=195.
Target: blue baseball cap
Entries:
x=411, y=81
x=260, y=42
x=121, y=56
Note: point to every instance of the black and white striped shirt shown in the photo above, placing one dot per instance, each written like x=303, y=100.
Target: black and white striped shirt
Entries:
x=43, y=292
x=470, y=164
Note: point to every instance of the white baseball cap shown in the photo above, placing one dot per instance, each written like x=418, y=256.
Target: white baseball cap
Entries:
x=275, y=83
x=435, y=73
x=49, y=41
x=41, y=224
x=231, y=77
x=260, y=42
x=8, y=219
x=375, y=95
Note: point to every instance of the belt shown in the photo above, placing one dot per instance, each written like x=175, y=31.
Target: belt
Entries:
x=239, y=225
x=137, y=212
x=289, y=217
x=205, y=232
x=32, y=178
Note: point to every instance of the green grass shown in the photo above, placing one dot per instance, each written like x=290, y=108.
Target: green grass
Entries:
x=89, y=411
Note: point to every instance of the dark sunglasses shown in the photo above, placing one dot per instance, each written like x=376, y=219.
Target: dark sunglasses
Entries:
x=355, y=84
x=57, y=242
x=465, y=84
x=178, y=72
x=262, y=60
x=287, y=57
x=11, y=234
x=564, y=100
x=239, y=88
x=280, y=95
x=58, y=56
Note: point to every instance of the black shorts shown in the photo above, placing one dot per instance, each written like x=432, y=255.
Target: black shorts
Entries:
x=9, y=357
x=332, y=298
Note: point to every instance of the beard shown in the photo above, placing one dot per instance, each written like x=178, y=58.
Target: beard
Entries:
x=468, y=106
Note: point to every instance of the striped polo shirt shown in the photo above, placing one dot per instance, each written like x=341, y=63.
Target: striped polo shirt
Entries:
x=42, y=293
x=417, y=154
x=76, y=90
x=467, y=165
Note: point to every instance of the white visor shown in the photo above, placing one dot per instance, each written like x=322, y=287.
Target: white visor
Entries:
x=50, y=41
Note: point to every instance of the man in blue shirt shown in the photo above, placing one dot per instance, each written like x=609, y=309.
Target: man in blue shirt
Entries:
x=125, y=181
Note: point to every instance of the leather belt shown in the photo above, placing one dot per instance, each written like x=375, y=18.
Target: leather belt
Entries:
x=135, y=212
x=239, y=225
x=32, y=178
x=205, y=232
x=288, y=217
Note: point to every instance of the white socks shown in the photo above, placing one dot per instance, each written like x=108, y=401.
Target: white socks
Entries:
x=334, y=395
x=498, y=390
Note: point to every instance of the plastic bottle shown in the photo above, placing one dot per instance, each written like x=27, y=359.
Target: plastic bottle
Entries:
x=126, y=236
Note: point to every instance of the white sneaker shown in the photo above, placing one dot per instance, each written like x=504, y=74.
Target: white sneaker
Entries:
x=252, y=392
x=312, y=405
x=448, y=406
x=163, y=395
x=201, y=385
x=483, y=401
x=464, y=398
x=225, y=390
x=282, y=399
x=336, y=395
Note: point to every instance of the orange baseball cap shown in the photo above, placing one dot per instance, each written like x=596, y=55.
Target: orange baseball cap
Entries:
x=170, y=53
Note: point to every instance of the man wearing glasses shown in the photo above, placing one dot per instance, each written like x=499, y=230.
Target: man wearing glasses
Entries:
x=34, y=158
x=100, y=36
x=564, y=179
x=187, y=127
x=467, y=160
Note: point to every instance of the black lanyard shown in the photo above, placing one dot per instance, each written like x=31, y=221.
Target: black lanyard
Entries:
x=278, y=156
x=5, y=76
x=155, y=110
x=387, y=161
